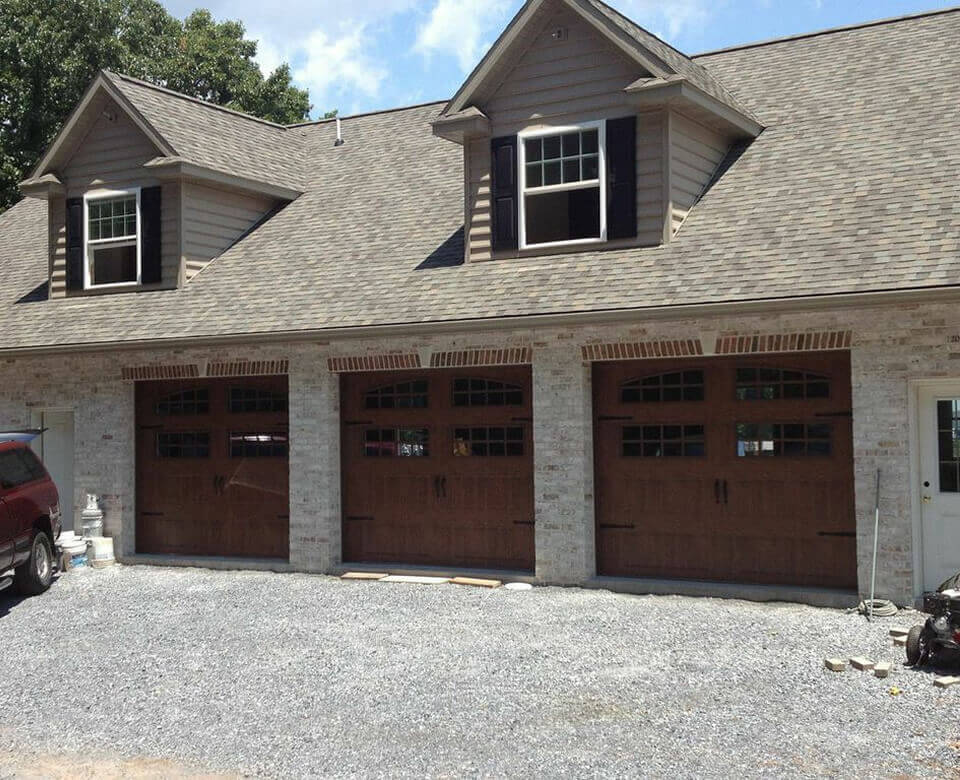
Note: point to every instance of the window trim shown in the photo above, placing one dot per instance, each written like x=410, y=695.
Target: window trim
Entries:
x=93, y=196
x=542, y=132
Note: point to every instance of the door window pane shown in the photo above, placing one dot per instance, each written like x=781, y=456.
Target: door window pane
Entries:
x=675, y=386
x=771, y=384
x=662, y=441
x=948, y=445
x=396, y=443
x=488, y=442
x=783, y=439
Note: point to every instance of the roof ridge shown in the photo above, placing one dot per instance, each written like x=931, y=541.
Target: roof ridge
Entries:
x=200, y=101
x=827, y=31
x=641, y=27
x=363, y=114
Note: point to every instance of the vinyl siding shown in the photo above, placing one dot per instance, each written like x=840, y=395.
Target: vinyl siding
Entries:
x=111, y=156
x=695, y=154
x=213, y=220
x=556, y=83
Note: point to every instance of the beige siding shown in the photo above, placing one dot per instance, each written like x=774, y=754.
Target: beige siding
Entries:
x=695, y=154
x=477, y=175
x=111, y=156
x=213, y=219
x=650, y=177
x=558, y=81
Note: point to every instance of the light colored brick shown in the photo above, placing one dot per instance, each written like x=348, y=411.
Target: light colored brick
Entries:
x=882, y=669
x=835, y=664
x=861, y=663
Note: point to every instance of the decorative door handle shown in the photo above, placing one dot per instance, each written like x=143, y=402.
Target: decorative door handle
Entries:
x=443, y=486
x=716, y=491
x=436, y=487
x=726, y=498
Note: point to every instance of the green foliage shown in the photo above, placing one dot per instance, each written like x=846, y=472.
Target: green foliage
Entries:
x=51, y=50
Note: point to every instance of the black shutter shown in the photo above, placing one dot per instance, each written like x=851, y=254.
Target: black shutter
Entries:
x=622, y=178
x=151, y=270
x=503, y=167
x=74, y=224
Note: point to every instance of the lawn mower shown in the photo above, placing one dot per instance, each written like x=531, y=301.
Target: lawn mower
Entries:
x=939, y=638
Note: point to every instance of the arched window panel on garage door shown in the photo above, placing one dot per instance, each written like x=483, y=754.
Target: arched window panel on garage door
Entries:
x=687, y=385
x=187, y=401
x=403, y=395
x=396, y=442
x=256, y=399
x=486, y=392
x=758, y=383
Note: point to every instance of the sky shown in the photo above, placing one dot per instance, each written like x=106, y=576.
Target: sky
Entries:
x=365, y=55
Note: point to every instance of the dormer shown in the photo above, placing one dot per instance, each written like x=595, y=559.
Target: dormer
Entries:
x=583, y=131
x=134, y=203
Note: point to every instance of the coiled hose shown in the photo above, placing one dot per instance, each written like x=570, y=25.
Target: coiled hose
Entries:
x=881, y=608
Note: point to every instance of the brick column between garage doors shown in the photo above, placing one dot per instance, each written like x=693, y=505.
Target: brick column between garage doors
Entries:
x=563, y=466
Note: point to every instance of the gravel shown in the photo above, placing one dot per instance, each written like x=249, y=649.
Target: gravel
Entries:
x=297, y=675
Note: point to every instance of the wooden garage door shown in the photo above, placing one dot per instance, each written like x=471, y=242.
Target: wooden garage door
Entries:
x=438, y=468
x=736, y=469
x=212, y=467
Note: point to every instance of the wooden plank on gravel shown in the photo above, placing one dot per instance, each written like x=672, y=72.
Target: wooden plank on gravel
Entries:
x=363, y=575
x=476, y=582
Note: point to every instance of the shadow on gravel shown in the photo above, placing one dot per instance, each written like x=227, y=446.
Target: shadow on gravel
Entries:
x=9, y=600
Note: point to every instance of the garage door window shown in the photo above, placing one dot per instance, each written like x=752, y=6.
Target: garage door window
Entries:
x=486, y=392
x=183, y=445
x=185, y=402
x=404, y=395
x=783, y=439
x=258, y=445
x=770, y=384
x=488, y=442
x=254, y=399
x=396, y=442
x=675, y=386
x=663, y=441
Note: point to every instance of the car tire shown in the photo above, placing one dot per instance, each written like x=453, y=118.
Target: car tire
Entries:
x=36, y=573
x=915, y=645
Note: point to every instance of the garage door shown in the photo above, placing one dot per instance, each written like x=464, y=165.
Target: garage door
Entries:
x=212, y=467
x=726, y=469
x=438, y=468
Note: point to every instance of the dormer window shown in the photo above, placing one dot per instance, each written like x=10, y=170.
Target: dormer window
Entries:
x=563, y=198
x=112, y=238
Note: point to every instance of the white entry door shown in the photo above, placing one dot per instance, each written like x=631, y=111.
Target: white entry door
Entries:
x=55, y=448
x=940, y=483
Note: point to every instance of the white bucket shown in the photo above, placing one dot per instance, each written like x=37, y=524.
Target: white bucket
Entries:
x=101, y=550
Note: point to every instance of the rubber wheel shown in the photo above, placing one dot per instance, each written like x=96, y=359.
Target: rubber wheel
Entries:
x=36, y=573
x=914, y=645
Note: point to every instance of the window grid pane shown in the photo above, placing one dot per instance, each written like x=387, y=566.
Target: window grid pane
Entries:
x=675, y=386
x=497, y=441
x=112, y=218
x=403, y=395
x=663, y=441
x=183, y=445
x=567, y=158
x=948, y=440
x=396, y=442
x=254, y=399
x=185, y=402
x=258, y=445
x=784, y=439
x=771, y=384
x=486, y=392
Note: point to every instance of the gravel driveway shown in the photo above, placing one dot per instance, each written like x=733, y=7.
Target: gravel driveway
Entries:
x=159, y=672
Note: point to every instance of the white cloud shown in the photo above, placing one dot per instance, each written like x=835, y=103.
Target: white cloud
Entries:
x=461, y=28
x=674, y=17
x=331, y=66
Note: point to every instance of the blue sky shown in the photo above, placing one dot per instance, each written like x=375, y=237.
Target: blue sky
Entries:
x=362, y=55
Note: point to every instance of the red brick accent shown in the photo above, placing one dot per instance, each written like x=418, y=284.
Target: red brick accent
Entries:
x=249, y=368
x=388, y=362
x=143, y=373
x=482, y=357
x=784, y=342
x=642, y=350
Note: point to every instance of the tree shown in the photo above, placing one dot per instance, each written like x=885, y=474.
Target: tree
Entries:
x=50, y=51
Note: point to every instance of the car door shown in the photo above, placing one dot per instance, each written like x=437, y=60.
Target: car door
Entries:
x=7, y=531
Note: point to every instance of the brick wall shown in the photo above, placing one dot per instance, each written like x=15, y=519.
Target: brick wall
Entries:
x=889, y=347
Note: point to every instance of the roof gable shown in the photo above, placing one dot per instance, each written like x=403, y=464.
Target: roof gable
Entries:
x=657, y=64
x=102, y=95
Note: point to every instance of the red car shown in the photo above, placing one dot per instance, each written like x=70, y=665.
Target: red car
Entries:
x=29, y=516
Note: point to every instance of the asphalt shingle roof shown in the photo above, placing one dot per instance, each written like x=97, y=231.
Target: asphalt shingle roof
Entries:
x=851, y=188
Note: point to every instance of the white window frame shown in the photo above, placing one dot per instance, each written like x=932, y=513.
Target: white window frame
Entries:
x=95, y=195
x=601, y=127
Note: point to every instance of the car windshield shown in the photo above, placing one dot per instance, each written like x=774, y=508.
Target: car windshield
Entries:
x=18, y=466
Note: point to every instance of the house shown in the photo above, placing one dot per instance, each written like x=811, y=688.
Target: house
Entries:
x=611, y=316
